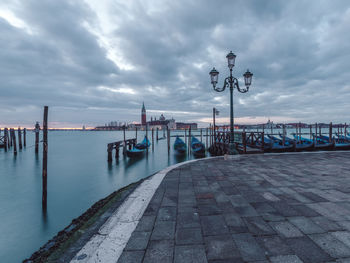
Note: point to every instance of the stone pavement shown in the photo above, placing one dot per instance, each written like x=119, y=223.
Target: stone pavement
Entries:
x=257, y=208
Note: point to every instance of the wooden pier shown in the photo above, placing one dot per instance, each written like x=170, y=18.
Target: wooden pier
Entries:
x=119, y=144
x=8, y=139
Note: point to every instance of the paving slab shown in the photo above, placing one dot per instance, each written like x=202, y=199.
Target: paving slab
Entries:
x=251, y=208
x=248, y=247
x=286, y=229
x=190, y=254
x=221, y=247
x=305, y=225
x=332, y=245
x=274, y=245
x=160, y=251
x=286, y=259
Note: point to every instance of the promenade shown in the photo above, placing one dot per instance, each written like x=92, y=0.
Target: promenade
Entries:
x=248, y=208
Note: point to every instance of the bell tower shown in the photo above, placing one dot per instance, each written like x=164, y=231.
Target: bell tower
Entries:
x=143, y=115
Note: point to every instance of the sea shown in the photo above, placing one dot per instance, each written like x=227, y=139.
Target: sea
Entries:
x=78, y=176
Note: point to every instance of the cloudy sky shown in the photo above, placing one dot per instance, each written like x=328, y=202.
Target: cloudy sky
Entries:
x=96, y=61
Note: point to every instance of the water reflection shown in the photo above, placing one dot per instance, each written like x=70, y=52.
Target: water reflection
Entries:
x=180, y=158
x=129, y=162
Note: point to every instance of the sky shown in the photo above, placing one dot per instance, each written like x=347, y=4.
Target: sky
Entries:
x=96, y=61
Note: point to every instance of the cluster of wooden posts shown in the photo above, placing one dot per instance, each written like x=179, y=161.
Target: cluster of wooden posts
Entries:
x=245, y=140
x=9, y=140
x=161, y=134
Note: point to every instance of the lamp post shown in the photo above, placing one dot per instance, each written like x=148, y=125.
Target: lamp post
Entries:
x=231, y=82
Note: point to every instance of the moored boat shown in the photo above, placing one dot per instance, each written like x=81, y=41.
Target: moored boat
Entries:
x=133, y=153
x=338, y=144
x=299, y=145
x=144, y=144
x=198, y=148
x=276, y=145
x=319, y=144
x=179, y=146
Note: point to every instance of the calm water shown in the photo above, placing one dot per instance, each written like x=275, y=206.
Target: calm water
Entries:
x=78, y=176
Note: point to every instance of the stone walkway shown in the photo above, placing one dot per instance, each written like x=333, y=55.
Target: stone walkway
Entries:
x=258, y=208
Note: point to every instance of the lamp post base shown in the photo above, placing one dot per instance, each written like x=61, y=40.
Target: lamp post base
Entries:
x=232, y=149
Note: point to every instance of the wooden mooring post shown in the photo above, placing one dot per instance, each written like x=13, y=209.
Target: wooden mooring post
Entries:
x=152, y=140
x=210, y=138
x=331, y=132
x=11, y=137
x=310, y=131
x=345, y=133
x=206, y=138
x=201, y=136
x=20, y=138
x=124, y=142
x=189, y=140
x=37, y=130
x=25, y=137
x=147, y=139
x=168, y=138
x=14, y=141
x=45, y=148
x=136, y=134
x=320, y=130
x=157, y=134
x=315, y=137
x=109, y=153
x=6, y=138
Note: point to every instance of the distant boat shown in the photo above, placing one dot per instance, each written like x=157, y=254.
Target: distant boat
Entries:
x=179, y=146
x=144, y=144
x=198, y=148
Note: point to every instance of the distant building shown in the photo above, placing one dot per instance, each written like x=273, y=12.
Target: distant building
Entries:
x=182, y=126
x=143, y=115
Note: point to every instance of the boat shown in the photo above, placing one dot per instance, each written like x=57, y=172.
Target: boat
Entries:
x=343, y=138
x=144, y=144
x=319, y=145
x=197, y=147
x=277, y=146
x=338, y=144
x=299, y=145
x=179, y=146
x=134, y=152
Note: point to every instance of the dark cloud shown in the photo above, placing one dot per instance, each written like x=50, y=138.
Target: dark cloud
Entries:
x=93, y=62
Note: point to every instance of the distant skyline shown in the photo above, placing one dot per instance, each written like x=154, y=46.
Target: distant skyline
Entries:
x=93, y=62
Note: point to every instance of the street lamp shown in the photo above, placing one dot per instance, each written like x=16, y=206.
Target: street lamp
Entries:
x=231, y=82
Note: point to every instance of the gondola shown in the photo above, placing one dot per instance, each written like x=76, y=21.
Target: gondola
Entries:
x=139, y=149
x=276, y=146
x=338, y=145
x=144, y=144
x=319, y=145
x=179, y=146
x=198, y=148
x=299, y=145
x=343, y=138
x=135, y=153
